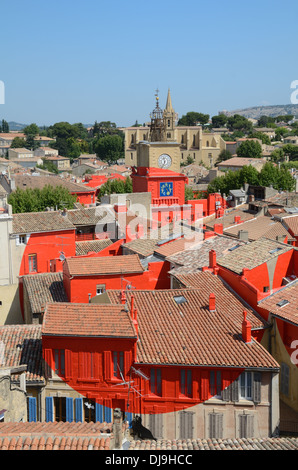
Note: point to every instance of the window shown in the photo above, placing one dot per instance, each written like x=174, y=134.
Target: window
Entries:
x=59, y=356
x=32, y=263
x=215, y=425
x=100, y=289
x=169, y=123
x=186, y=382
x=246, y=385
x=284, y=379
x=155, y=381
x=118, y=363
x=22, y=239
x=215, y=384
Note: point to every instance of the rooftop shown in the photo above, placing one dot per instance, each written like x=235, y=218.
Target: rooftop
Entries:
x=176, y=327
x=195, y=258
x=253, y=254
x=283, y=303
x=96, y=320
x=43, y=288
x=28, y=181
x=22, y=345
x=261, y=226
x=228, y=219
x=49, y=221
x=109, y=265
x=85, y=247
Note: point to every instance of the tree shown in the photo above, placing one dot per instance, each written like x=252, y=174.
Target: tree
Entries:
x=4, y=126
x=117, y=186
x=249, y=149
x=291, y=150
x=192, y=118
x=219, y=121
x=18, y=143
x=261, y=136
x=224, y=155
x=32, y=129
x=37, y=200
x=239, y=123
x=109, y=148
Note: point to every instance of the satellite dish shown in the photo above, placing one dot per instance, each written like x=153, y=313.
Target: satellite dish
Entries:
x=62, y=257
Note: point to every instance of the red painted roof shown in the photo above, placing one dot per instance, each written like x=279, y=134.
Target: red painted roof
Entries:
x=108, y=265
x=69, y=319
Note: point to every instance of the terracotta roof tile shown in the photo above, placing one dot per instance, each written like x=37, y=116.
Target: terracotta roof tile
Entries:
x=30, y=222
x=261, y=226
x=22, y=345
x=252, y=255
x=55, y=436
x=268, y=443
x=228, y=219
x=28, y=181
x=188, y=333
x=104, y=265
x=69, y=319
x=43, y=288
x=85, y=247
x=283, y=303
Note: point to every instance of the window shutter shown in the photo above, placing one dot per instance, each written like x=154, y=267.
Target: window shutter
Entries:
x=107, y=365
x=79, y=410
x=128, y=417
x=49, y=409
x=156, y=425
x=48, y=363
x=127, y=362
x=186, y=424
x=257, y=387
x=204, y=392
x=235, y=390
x=69, y=409
x=246, y=426
x=215, y=425
x=32, y=408
x=108, y=411
x=99, y=412
x=68, y=362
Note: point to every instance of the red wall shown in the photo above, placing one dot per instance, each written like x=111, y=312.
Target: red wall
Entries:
x=78, y=288
x=101, y=386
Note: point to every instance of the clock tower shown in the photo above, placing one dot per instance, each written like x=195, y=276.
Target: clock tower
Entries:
x=161, y=151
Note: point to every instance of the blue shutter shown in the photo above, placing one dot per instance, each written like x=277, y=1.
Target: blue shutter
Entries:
x=108, y=414
x=69, y=409
x=49, y=409
x=32, y=408
x=128, y=417
x=79, y=409
x=99, y=412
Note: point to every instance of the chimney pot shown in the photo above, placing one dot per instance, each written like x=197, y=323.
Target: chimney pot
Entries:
x=212, y=258
x=246, y=329
x=211, y=302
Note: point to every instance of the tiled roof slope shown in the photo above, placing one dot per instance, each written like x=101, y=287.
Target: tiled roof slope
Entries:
x=69, y=319
x=273, y=443
x=49, y=221
x=261, y=226
x=289, y=311
x=104, y=265
x=28, y=181
x=291, y=224
x=22, y=345
x=228, y=218
x=43, y=288
x=142, y=246
x=90, y=215
x=85, y=247
x=189, y=334
x=197, y=257
x=252, y=255
x=55, y=436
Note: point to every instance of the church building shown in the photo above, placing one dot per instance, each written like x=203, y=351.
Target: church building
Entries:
x=184, y=141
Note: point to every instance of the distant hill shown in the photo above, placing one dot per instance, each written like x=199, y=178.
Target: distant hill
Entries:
x=256, y=112
x=15, y=126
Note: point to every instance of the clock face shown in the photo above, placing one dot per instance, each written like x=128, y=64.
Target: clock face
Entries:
x=164, y=161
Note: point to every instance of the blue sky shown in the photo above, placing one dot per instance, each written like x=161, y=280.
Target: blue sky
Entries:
x=101, y=60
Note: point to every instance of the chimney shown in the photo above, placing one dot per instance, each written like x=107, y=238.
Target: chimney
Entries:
x=123, y=297
x=212, y=259
x=212, y=303
x=246, y=329
x=243, y=235
x=218, y=228
x=237, y=219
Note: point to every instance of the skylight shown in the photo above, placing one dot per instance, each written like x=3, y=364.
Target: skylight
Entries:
x=275, y=250
x=180, y=299
x=282, y=303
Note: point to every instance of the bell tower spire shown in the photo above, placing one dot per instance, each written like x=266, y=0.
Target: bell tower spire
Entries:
x=169, y=119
